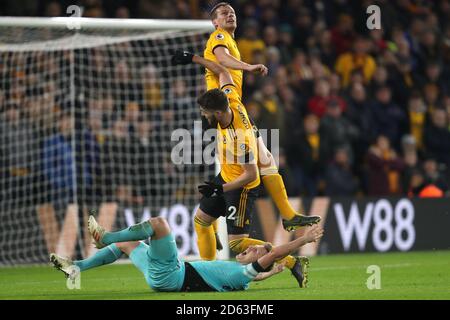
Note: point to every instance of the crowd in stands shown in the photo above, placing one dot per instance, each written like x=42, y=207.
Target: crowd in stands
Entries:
x=360, y=112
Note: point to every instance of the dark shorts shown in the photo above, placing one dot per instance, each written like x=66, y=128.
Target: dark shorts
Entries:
x=236, y=206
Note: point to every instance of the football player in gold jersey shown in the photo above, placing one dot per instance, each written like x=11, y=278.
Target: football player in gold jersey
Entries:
x=233, y=192
x=221, y=48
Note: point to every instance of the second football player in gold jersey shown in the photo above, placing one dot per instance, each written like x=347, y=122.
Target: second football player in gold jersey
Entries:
x=233, y=192
x=221, y=47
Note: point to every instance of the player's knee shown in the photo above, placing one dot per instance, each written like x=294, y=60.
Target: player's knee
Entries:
x=267, y=164
x=127, y=247
x=160, y=226
x=204, y=217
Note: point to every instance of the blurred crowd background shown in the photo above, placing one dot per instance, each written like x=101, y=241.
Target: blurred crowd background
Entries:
x=360, y=112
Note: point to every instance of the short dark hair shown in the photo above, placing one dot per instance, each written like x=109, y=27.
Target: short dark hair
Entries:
x=212, y=12
x=213, y=100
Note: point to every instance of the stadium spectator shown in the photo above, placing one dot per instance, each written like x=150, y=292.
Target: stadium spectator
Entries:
x=358, y=58
x=416, y=118
x=404, y=84
x=53, y=9
x=179, y=100
x=271, y=112
x=380, y=78
x=431, y=96
x=303, y=24
x=432, y=174
x=317, y=104
x=152, y=90
x=437, y=137
x=300, y=68
x=339, y=179
x=145, y=147
x=325, y=48
x=411, y=160
x=120, y=168
x=421, y=188
x=292, y=108
x=359, y=114
x=59, y=162
x=273, y=60
x=434, y=74
x=389, y=119
x=339, y=132
x=285, y=44
x=250, y=41
x=132, y=115
x=308, y=151
x=122, y=13
x=18, y=167
x=384, y=168
x=343, y=34
x=429, y=47
x=270, y=36
x=378, y=44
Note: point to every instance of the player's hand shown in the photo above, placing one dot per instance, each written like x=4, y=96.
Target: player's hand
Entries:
x=182, y=57
x=258, y=68
x=210, y=188
x=278, y=268
x=314, y=233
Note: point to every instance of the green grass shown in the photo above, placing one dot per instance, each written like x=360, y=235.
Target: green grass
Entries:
x=414, y=275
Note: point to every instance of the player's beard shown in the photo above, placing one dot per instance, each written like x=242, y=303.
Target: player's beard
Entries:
x=209, y=123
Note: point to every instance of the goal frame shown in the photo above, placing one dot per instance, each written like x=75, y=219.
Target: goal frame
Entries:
x=121, y=24
x=107, y=23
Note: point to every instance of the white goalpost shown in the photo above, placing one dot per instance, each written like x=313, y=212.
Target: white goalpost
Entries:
x=87, y=108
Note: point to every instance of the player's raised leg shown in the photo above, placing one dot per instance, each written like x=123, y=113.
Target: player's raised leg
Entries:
x=103, y=256
x=140, y=231
x=273, y=182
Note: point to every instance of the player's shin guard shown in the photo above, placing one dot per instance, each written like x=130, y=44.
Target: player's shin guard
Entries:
x=206, y=239
x=103, y=256
x=140, y=231
x=275, y=186
x=240, y=245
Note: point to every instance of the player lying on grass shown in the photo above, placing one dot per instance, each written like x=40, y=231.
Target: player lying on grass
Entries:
x=233, y=192
x=221, y=47
x=164, y=271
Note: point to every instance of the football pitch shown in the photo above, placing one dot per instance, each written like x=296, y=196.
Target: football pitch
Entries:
x=413, y=275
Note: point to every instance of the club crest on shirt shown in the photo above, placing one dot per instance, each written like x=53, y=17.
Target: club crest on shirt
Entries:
x=220, y=36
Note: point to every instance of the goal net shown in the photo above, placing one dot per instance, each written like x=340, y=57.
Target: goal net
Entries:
x=86, y=121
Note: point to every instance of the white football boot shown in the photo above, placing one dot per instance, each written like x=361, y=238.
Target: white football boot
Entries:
x=65, y=265
x=97, y=232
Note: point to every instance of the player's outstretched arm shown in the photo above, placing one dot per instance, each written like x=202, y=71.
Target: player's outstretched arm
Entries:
x=227, y=60
x=311, y=235
x=185, y=57
x=220, y=71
